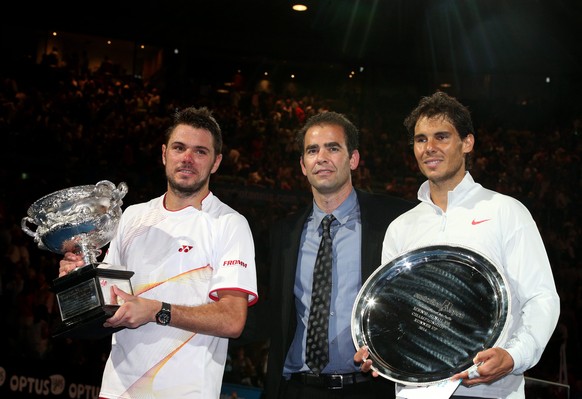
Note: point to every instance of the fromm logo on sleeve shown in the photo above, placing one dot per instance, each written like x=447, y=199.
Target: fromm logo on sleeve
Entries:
x=234, y=263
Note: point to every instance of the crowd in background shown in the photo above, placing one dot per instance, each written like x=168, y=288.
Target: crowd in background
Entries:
x=60, y=129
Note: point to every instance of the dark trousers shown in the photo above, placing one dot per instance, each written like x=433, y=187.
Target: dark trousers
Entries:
x=377, y=388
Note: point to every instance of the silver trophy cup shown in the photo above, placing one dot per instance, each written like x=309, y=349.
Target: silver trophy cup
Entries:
x=81, y=219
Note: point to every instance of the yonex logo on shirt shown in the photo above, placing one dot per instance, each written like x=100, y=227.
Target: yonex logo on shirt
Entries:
x=185, y=248
x=234, y=263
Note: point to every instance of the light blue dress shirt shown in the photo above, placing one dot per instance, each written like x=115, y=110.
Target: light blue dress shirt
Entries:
x=346, y=282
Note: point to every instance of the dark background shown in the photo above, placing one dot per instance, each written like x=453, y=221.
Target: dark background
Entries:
x=419, y=36
x=497, y=55
x=515, y=63
x=416, y=37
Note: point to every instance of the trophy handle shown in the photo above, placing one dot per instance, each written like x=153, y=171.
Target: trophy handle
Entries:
x=31, y=233
x=117, y=193
x=25, y=228
x=121, y=191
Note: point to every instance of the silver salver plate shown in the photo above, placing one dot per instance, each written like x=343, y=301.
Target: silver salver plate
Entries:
x=426, y=314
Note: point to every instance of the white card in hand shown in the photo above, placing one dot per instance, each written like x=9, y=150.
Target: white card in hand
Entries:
x=440, y=390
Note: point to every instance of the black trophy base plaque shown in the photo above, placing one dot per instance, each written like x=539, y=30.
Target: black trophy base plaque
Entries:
x=85, y=301
x=89, y=327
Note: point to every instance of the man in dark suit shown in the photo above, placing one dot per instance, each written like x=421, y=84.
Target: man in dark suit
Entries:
x=329, y=153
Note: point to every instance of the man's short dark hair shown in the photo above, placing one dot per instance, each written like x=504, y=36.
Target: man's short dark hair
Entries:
x=198, y=118
x=351, y=132
x=440, y=104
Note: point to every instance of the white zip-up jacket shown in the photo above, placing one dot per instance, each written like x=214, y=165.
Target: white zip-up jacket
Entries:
x=502, y=229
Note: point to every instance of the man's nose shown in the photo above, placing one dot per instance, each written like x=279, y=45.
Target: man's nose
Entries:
x=321, y=157
x=188, y=155
x=430, y=145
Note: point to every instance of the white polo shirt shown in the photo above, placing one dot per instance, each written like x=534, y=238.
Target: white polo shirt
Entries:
x=183, y=257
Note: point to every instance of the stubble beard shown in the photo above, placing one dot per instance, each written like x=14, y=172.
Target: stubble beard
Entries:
x=183, y=190
x=447, y=177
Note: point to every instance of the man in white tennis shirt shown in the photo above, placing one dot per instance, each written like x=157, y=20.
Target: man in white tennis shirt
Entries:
x=194, y=263
x=454, y=209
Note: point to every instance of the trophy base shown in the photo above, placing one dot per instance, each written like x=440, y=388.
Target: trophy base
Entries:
x=89, y=326
x=85, y=300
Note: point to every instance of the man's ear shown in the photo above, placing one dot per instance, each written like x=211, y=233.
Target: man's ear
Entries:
x=468, y=143
x=354, y=160
x=303, y=168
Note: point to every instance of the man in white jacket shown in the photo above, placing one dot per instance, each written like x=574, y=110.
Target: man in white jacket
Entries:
x=455, y=210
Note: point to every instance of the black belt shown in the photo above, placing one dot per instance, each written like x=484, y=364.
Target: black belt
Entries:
x=330, y=381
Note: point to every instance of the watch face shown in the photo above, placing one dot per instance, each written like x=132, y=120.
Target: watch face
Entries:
x=163, y=317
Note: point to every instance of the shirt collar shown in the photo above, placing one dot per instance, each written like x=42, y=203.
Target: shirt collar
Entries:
x=457, y=192
x=341, y=213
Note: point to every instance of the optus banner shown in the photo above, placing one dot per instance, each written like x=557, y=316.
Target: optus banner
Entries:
x=36, y=379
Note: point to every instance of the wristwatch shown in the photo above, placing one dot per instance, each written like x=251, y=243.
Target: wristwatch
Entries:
x=164, y=315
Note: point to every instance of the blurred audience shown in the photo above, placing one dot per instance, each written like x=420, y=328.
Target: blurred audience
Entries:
x=61, y=130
